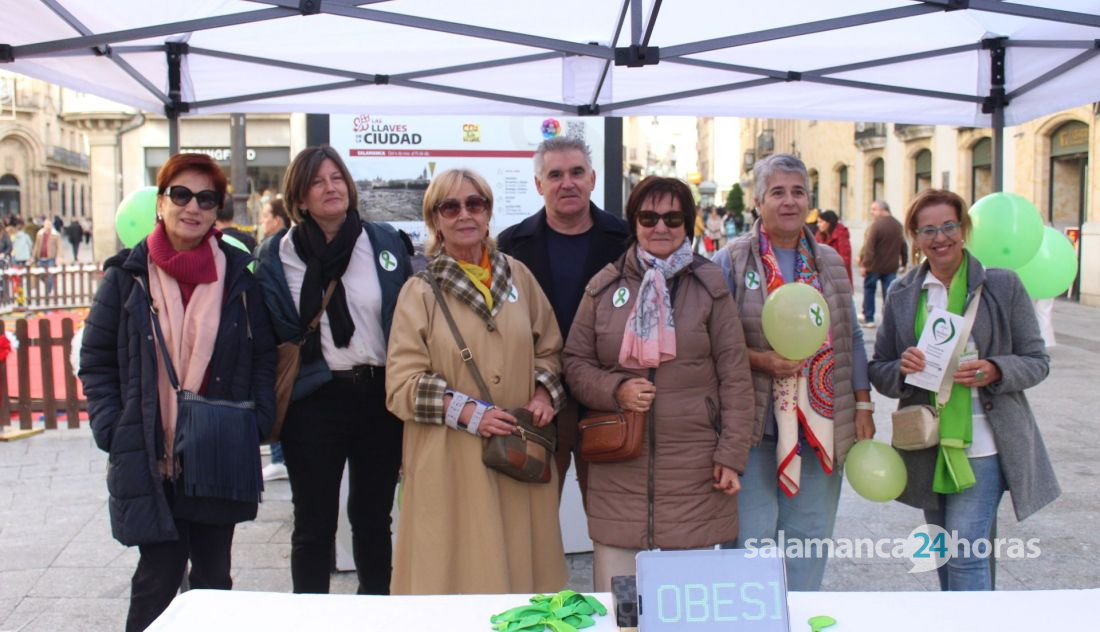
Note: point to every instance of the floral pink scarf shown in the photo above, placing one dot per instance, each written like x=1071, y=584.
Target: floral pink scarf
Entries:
x=650, y=336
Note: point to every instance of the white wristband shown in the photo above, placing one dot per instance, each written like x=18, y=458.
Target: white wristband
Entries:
x=454, y=410
x=480, y=408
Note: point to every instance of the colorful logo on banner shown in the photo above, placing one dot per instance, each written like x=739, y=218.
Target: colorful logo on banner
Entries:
x=378, y=131
x=551, y=128
x=471, y=133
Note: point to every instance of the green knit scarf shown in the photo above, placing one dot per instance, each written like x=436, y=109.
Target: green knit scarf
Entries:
x=953, y=471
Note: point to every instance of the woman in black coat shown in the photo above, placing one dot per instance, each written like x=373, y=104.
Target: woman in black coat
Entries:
x=218, y=335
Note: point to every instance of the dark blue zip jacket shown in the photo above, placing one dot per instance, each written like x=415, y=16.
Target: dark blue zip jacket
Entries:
x=118, y=367
x=284, y=311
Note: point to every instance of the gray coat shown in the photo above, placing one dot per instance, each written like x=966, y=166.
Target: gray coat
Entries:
x=1007, y=334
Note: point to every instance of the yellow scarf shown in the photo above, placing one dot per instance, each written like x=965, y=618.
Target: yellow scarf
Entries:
x=481, y=275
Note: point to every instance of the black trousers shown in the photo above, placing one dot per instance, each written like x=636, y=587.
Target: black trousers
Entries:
x=160, y=569
x=344, y=421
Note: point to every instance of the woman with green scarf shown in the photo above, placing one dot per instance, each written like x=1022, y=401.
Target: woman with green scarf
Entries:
x=989, y=441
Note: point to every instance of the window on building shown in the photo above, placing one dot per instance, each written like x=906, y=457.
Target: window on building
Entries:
x=878, y=179
x=62, y=200
x=981, y=169
x=9, y=195
x=1068, y=181
x=842, y=190
x=922, y=171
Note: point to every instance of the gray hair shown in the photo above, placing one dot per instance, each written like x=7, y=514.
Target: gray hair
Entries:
x=561, y=143
x=769, y=166
x=883, y=205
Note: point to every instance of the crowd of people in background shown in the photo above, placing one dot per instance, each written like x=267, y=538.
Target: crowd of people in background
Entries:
x=569, y=311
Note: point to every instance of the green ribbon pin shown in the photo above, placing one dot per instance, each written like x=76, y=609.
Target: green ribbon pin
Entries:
x=815, y=313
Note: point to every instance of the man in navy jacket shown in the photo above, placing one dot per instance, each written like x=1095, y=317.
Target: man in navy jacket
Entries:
x=567, y=242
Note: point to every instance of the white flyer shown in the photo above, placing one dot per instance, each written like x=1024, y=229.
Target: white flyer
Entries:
x=939, y=340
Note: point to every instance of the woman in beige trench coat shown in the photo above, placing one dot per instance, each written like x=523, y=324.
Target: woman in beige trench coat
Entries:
x=465, y=528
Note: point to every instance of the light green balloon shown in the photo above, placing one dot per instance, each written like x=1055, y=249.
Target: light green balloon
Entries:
x=796, y=320
x=136, y=216
x=1052, y=271
x=237, y=243
x=875, y=470
x=1007, y=230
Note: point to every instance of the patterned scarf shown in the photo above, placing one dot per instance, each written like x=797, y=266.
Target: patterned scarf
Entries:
x=650, y=335
x=454, y=280
x=804, y=403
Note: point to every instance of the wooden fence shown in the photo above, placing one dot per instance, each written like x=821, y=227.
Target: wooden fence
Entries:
x=40, y=366
x=58, y=287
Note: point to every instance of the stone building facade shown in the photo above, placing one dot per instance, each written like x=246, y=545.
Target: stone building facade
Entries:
x=854, y=164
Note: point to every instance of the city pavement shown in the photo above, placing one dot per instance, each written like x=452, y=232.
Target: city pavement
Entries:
x=61, y=570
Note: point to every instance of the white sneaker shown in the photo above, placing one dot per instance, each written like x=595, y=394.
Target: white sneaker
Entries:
x=275, y=472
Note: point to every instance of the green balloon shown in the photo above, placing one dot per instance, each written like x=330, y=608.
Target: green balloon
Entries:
x=1052, y=271
x=136, y=216
x=875, y=470
x=237, y=243
x=796, y=320
x=1007, y=230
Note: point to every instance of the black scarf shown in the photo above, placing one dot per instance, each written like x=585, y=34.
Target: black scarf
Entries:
x=325, y=262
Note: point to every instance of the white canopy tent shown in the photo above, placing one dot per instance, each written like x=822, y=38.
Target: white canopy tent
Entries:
x=982, y=63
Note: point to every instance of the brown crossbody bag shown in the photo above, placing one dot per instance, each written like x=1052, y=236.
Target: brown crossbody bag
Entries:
x=288, y=361
x=526, y=454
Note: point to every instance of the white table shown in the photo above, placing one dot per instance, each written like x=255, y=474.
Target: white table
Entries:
x=234, y=611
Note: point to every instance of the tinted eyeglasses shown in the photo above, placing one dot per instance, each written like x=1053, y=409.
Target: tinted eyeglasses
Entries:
x=672, y=219
x=949, y=230
x=181, y=196
x=450, y=208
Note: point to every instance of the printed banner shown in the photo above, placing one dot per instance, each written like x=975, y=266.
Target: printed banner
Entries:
x=393, y=158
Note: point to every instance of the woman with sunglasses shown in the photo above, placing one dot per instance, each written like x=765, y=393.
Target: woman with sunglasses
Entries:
x=656, y=332
x=333, y=264
x=989, y=441
x=465, y=528
x=185, y=292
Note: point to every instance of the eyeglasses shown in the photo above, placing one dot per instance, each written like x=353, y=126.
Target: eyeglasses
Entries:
x=450, y=208
x=181, y=196
x=928, y=233
x=672, y=219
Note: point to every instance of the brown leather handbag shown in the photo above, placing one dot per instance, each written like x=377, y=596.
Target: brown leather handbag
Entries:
x=607, y=437
x=526, y=454
x=288, y=360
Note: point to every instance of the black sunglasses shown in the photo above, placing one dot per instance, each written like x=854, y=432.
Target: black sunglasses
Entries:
x=181, y=196
x=672, y=219
x=450, y=208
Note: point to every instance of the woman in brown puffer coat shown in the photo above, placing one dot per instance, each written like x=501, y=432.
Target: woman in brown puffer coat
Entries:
x=658, y=332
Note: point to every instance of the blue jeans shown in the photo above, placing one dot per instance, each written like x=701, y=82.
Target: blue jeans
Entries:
x=764, y=510
x=970, y=513
x=47, y=263
x=870, y=281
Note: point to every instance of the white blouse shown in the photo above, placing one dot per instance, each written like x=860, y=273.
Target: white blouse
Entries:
x=364, y=296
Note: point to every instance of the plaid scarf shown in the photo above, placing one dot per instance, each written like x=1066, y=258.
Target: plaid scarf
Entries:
x=803, y=403
x=453, y=280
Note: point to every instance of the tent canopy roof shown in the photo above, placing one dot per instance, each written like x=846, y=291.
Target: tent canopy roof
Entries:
x=933, y=61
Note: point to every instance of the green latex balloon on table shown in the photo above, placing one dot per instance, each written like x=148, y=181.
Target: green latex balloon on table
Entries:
x=1007, y=230
x=875, y=470
x=795, y=320
x=136, y=216
x=1051, y=271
